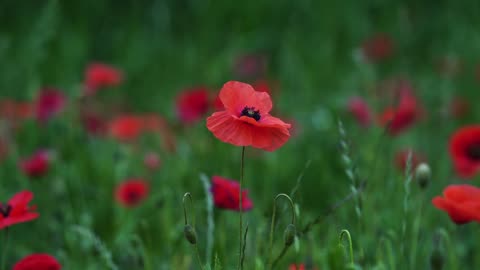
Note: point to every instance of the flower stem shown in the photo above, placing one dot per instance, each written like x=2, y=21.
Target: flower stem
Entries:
x=5, y=247
x=240, y=265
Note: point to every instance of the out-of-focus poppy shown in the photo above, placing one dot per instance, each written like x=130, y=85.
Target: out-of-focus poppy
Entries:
x=36, y=165
x=17, y=210
x=38, y=261
x=360, y=111
x=250, y=65
x=49, y=103
x=192, y=105
x=299, y=267
x=93, y=123
x=14, y=112
x=458, y=107
x=246, y=120
x=465, y=151
x=226, y=194
x=377, y=48
x=132, y=192
x=152, y=161
x=401, y=158
x=126, y=127
x=98, y=75
x=461, y=202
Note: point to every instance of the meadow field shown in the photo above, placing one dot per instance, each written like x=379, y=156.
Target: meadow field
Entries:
x=252, y=135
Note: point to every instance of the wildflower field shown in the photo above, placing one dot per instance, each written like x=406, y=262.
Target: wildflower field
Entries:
x=239, y=135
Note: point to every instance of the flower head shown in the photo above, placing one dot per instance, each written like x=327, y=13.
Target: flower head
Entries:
x=126, y=127
x=465, y=151
x=226, y=194
x=100, y=75
x=461, y=202
x=192, y=105
x=49, y=103
x=38, y=261
x=132, y=192
x=246, y=120
x=152, y=161
x=360, y=110
x=377, y=48
x=17, y=210
x=36, y=165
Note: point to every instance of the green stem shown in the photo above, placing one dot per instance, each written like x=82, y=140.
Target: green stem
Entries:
x=198, y=257
x=5, y=247
x=349, y=243
x=241, y=209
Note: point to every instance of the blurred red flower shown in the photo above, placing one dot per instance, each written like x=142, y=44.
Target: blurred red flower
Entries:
x=93, y=123
x=38, y=261
x=100, y=75
x=360, y=111
x=461, y=202
x=17, y=210
x=132, y=192
x=126, y=127
x=36, y=165
x=14, y=112
x=465, y=151
x=246, y=120
x=49, y=102
x=401, y=158
x=226, y=194
x=192, y=105
x=250, y=65
x=459, y=107
x=377, y=48
x=404, y=115
x=152, y=161
x=298, y=267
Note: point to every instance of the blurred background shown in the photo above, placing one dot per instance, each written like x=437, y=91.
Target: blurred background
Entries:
x=106, y=92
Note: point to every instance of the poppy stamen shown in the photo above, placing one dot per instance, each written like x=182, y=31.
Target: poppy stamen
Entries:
x=5, y=210
x=474, y=151
x=251, y=112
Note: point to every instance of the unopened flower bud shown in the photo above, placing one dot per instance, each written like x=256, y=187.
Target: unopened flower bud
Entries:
x=190, y=234
x=423, y=174
x=289, y=234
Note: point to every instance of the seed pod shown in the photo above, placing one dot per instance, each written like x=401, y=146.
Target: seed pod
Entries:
x=423, y=174
x=190, y=234
x=289, y=234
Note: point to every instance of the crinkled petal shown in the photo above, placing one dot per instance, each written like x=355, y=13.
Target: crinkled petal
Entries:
x=235, y=96
x=21, y=198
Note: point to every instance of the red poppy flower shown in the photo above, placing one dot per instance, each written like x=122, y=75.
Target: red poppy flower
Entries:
x=152, y=161
x=377, y=48
x=250, y=65
x=246, y=120
x=465, y=151
x=298, y=267
x=226, y=194
x=17, y=210
x=401, y=158
x=38, y=261
x=100, y=75
x=461, y=202
x=93, y=123
x=403, y=116
x=192, y=105
x=37, y=165
x=360, y=111
x=49, y=103
x=126, y=127
x=132, y=192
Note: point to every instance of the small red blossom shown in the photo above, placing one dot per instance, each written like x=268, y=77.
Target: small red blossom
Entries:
x=100, y=75
x=132, y=192
x=49, y=103
x=246, y=120
x=298, y=267
x=38, y=261
x=15, y=111
x=401, y=158
x=36, y=165
x=192, y=105
x=93, y=123
x=250, y=65
x=17, y=210
x=377, y=48
x=404, y=115
x=461, y=202
x=152, y=161
x=226, y=194
x=126, y=127
x=465, y=151
x=360, y=111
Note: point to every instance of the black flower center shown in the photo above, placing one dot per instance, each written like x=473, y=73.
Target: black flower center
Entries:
x=251, y=112
x=5, y=210
x=133, y=196
x=473, y=152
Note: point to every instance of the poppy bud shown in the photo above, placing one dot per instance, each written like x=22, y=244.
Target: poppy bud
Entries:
x=190, y=234
x=423, y=174
x=289, y=234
